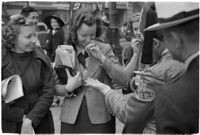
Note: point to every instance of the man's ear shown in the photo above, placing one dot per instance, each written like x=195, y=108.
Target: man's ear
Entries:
x=177, y=39
x=156, y=43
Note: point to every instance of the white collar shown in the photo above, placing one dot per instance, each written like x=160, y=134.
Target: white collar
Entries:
x=79, y=50
x=190, y=58
x=164, y=52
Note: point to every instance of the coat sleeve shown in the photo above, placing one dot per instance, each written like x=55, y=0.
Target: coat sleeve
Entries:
x=9, y=111
x=43, y=104
x=12, y=113
x=49, y=42
x=114, y=69
x=129, y=109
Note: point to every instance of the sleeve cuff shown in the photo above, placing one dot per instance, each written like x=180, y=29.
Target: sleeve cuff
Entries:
x=102, y=59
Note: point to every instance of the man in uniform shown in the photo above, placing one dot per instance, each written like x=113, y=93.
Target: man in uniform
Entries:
x=136, y=109
x=177, y=105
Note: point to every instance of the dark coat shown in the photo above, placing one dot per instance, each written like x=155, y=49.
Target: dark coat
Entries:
x=52, y=43
x=177, y=106
x=37, y=99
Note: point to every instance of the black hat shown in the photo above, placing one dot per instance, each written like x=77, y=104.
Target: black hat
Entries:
x=47, y=21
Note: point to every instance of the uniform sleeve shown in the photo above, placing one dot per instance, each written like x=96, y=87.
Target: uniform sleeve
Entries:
x=127, y=55
x=130, y=110
x=44, y=102
x=163, y=73
x=114, y=69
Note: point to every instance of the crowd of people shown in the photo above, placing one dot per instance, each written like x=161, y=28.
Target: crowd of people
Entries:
x=160, y=75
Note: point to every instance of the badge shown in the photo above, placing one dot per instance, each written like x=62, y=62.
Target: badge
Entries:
x=144, y=94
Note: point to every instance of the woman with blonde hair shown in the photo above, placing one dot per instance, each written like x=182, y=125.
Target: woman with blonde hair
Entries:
x=20, y=55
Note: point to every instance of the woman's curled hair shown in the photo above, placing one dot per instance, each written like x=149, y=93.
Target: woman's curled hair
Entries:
x=79, y=17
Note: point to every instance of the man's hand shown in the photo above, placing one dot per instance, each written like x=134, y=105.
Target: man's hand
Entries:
x=94, y=50
x=103, y=88
x=73, y=81
x=27, y=127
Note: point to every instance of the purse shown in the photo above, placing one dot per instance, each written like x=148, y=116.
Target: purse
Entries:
x=61, y=73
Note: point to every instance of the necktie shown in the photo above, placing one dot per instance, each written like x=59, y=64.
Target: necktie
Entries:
x=81, y=58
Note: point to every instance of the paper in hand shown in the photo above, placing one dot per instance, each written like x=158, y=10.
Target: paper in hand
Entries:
x=65, y=55
x=11, y=88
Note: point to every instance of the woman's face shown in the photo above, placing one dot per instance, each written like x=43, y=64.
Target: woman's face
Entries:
x=26, y=40
x=54, y=24
x=136, y=29
x=85, y=34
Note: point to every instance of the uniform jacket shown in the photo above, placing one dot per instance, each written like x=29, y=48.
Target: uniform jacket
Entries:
x=136, y=108
x=37, y=98
x=97, y=109
x=177, y=106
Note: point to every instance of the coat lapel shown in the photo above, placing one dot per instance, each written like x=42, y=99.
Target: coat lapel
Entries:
x=12, y=69
x=93, y=66
x=9, y=65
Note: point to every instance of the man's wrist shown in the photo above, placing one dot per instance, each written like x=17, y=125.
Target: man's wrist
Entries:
x=106, y=90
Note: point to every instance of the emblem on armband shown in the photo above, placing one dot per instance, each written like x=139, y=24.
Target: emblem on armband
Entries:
x=144, y=94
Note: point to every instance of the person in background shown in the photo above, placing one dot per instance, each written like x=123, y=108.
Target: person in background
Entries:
x=123, y=29
x=177, y=105
x=31, y=16
x=20, y=55
x=135, y=110
x=128, y=52
x=55, y=36
x=129, y=31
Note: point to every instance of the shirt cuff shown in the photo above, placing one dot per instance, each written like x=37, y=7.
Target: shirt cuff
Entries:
x=102, y=59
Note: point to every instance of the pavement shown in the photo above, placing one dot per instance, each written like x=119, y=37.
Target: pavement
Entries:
x=56, y=114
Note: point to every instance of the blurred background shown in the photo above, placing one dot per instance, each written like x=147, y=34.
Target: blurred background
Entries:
x=120, y=15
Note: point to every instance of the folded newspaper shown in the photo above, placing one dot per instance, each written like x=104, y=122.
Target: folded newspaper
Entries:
x=65, y=55
x=11, y=88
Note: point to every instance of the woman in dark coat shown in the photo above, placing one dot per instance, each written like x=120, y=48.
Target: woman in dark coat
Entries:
x=55, y=36
x=30, y=113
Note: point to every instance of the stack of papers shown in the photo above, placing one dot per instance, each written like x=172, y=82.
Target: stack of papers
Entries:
x=65, y=55
x=11, y=88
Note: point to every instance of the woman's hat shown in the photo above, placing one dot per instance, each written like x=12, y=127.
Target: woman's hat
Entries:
x=47, y=20
x=174, y=13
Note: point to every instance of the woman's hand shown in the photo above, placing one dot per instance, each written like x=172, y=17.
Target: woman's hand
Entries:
x=136, y=45
x=73, y=81
x=94, y=51
x=103, y=88
x=27, y=127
